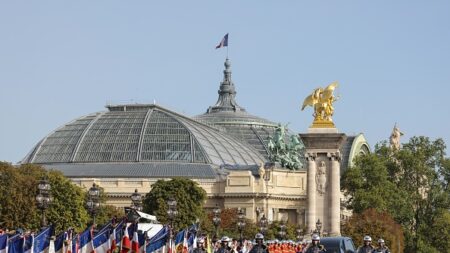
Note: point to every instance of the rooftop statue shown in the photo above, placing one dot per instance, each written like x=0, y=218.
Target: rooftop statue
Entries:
x=322, y=100
x=394, y=139
x=287, y=153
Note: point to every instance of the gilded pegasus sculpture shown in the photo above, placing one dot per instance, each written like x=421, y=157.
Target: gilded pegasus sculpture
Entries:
x=322, y=101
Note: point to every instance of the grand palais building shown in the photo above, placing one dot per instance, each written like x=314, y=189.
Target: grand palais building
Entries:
x=225, y=149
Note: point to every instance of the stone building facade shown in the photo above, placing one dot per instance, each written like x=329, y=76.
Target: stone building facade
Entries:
x=225, y=150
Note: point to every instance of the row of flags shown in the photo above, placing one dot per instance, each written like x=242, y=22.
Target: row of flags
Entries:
x=122, y=237
x=29, y=243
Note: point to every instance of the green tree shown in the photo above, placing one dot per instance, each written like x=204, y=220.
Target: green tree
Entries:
x=18, y=190
x=189, y=195
x=411, y=184
x=377, y=225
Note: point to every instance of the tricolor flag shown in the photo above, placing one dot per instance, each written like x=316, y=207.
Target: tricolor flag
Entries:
x=59, y=242
x=85, y=242
x=3, y=243
x=75, y=244
x=135, y=242
x=116, y=236
x=158, y=241
x=42, y=241
x=101, y=241
x=28, y=243
x=126, y=243
x=15, y=244
x=223, y=42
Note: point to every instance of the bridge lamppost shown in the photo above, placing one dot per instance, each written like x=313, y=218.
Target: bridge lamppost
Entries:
x=44, y=199
x=241, y=224
x=263, y=225
x=136, y=201
x=282, y=232
x=93, y=203
x=172, y=212
x=299, y=231
x=216, y=221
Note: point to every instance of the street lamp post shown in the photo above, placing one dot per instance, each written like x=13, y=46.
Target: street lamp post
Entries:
x=263, y=225
x=171, y=214
x=93, y=202
x=241, y=224
x=136, y=201
x=216, y=222
x=44, y=199
x=282, y=232
x=318, y=226
x=299, y=231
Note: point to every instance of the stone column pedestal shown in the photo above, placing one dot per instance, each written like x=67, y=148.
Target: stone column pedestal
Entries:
x=323, y=178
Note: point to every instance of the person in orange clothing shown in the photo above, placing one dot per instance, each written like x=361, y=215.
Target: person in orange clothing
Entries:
x=277, y=247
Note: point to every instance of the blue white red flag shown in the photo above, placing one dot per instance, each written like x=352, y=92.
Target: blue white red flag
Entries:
x=116, y=236
x=223, y=42
x=42, y=241
x=75, y=244
x=101, y=241
x=59, y=242
x=158, y=241
x=126, y=242
x=3, y=243
x=28, y=243
x=15, y=244
x=85, y=241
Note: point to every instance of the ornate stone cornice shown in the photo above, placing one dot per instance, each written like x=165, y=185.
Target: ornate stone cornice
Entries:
x=257, y=195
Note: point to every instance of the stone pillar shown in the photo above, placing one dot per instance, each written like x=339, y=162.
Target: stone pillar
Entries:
x=323, y=178
x=311, y=191
x=335, y=193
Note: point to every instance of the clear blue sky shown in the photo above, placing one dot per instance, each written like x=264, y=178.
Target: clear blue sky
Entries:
x=60, y=60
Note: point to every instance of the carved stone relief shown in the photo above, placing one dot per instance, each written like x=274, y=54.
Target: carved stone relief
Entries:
x=321, y=177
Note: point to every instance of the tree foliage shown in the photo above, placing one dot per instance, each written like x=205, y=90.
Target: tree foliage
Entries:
x=189, y=195
x=411, y=184
x=18, y=190
x=377, y=225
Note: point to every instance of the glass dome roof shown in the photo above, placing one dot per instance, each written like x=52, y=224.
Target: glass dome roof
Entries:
x=141, y=133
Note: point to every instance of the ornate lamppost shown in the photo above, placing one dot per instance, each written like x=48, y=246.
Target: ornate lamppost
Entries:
x=282, y=232
x=216, y=221
x=241, y=224
x=263, y=225
x=44, y=199
x=93, y=202
x=171, y=214
x=299, y=231
x=318, y=226
x=136, y=201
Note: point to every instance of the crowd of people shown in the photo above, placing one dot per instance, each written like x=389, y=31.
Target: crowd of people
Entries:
x=227, y=245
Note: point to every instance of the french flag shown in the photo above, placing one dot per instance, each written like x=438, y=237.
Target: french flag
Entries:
x=101, y=241
x=41, y=243
x=74, y=245
x=3, y=243
x=223, y=42
x=59, y=242
x=28, y=243
x=85, y=241
x=15, y=244
x=126, y=243
x=115, y=235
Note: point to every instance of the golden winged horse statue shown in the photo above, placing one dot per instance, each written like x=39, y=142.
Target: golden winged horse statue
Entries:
x=322, y=101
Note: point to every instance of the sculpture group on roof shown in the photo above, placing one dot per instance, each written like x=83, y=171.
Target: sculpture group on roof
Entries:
x=286, y=153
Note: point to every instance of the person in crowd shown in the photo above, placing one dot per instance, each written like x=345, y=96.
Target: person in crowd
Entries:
x=315, y=246
x=259, y=247
x=382, y=248
x=200, y=246
x=367, y=246
x=224, y=246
